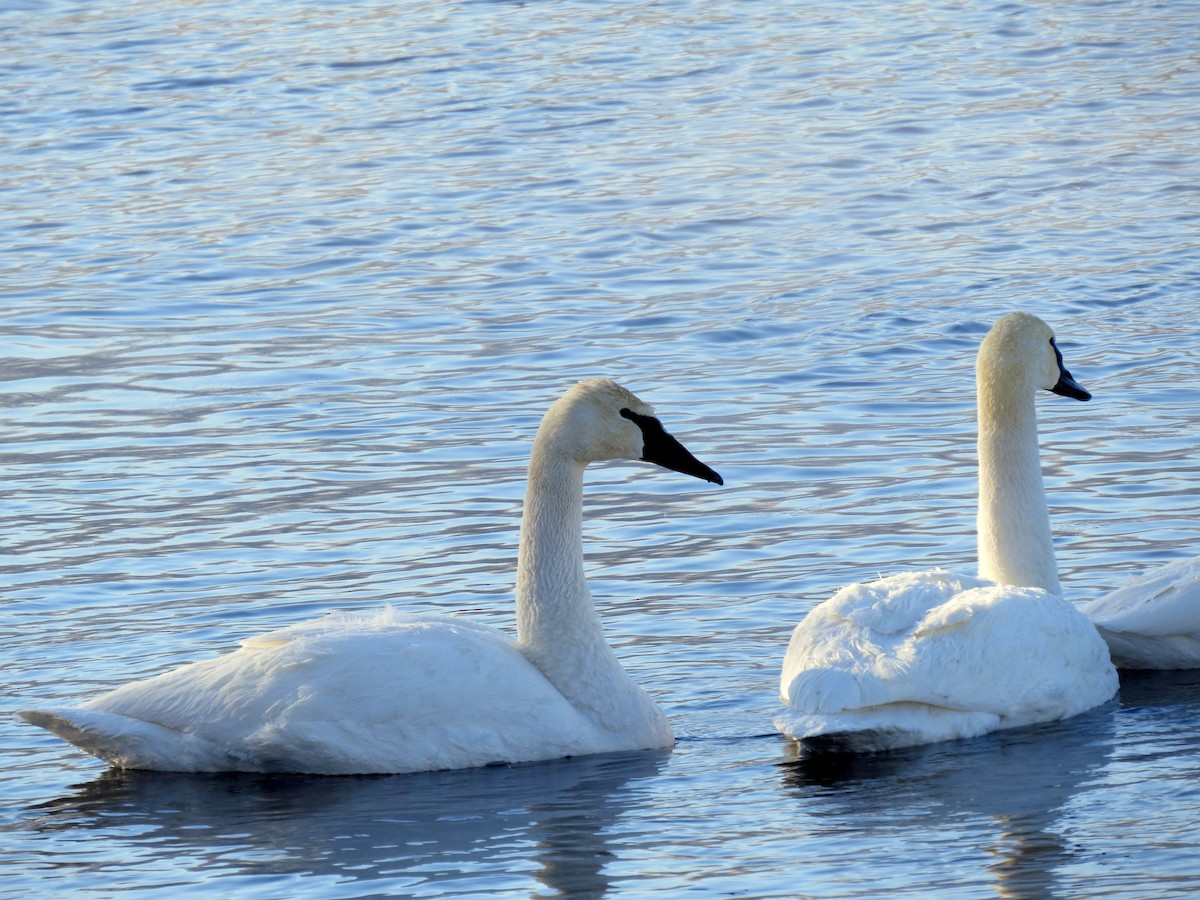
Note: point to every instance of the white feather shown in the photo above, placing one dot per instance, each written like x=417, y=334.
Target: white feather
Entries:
x=920, y=657
x=1153, y=621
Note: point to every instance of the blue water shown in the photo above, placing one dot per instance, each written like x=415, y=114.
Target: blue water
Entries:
x=286, y=287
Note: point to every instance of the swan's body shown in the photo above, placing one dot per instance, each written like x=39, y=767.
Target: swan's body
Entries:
x=930, y=656
x=1153, y=621
x=389, y=692
x=348, y=694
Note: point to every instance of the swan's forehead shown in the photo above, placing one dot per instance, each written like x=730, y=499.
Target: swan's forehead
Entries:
x=609, y=393
x=1017, y=338
x=1021, y=324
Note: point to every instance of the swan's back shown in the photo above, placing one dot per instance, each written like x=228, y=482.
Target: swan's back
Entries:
x=343, y=694
x=928, y=656
x=1153, y=621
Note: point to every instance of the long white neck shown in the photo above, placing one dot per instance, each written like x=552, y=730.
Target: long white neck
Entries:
x=1015, y=544
x=553, y=601
x=558, y=629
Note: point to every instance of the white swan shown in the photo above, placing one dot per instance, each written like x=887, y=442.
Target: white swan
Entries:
x=1153, y=621
x=931, y=656
x=400, y=693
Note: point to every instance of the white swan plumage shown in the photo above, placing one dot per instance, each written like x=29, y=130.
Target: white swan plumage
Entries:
x=388, y=692
x=921, y=657
x=1153, y=621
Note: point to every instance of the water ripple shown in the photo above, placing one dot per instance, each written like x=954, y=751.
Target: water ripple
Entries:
x=286, y=291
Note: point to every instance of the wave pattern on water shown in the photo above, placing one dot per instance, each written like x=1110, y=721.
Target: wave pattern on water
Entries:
x=284, y=291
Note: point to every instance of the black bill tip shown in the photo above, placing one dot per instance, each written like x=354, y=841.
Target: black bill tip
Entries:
x=1069, y=387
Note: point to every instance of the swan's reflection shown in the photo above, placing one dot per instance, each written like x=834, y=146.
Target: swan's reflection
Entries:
x=461, y=827
x=1174, y=692
x=1159, y=722
x=1013, y=787
x=1018, y=780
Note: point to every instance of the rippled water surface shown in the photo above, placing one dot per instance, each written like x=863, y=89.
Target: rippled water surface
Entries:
x=286, y=287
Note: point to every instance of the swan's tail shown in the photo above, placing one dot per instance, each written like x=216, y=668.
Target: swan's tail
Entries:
x=129, y=743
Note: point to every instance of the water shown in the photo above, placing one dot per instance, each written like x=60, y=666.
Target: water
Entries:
x=286, y=288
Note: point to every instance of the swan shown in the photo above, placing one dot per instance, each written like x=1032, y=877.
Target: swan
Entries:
x=1153, y=621
x=920, y=657
x=386, y=692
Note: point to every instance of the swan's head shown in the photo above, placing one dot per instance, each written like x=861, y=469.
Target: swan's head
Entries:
x=1019, y=352
x=599, y=420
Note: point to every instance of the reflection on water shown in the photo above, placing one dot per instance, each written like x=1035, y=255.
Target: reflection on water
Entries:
x=398, y=830
x=1019, y=781
x=1172, y=693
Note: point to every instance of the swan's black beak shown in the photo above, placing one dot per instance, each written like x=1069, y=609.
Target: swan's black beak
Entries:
x=660, y=448
x=1067, y=386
